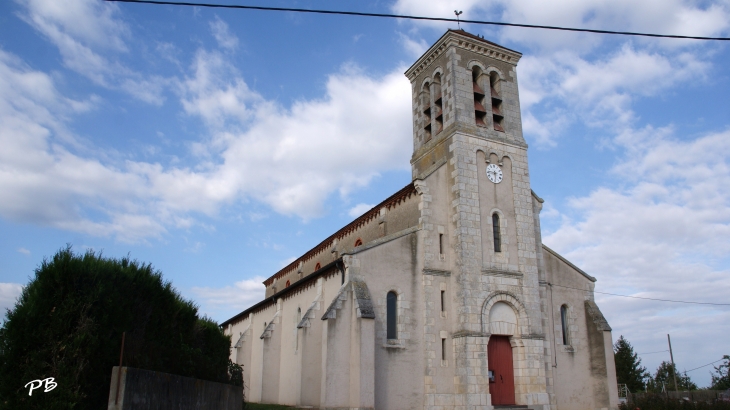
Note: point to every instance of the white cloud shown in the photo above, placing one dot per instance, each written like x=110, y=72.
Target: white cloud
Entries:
x=283, y=157
x=359, y=209
x=558, y=90
x=9, y=293
x=84, y=31
x=661, y=232
x=414, y=48
x=683, y=17
x=24, y=251
x=256, y=149
x=94, y=23
x=237, y=297
x=222, y=35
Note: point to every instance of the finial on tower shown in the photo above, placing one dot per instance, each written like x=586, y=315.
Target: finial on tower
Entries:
x=457, y=17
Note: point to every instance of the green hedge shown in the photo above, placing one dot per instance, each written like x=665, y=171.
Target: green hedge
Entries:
x=68, y=324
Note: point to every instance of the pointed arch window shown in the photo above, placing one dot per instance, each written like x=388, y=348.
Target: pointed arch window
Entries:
x=288, y=283
x=358, y=242
x=497, y=233
x=392, y=315
x=564, y=323
x=317, y=267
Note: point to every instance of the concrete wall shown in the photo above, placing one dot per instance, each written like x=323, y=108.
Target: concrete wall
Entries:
x=143, y=389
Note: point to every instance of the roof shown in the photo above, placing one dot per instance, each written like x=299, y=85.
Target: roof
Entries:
x=579, y=270
x=390, y=202
x=475, y=37
x=439, y=42
x=335, y=265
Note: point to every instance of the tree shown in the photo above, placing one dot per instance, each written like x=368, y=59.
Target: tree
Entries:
x=628, y=366
x=721, y=378
x=68, y=324
x=664, y=376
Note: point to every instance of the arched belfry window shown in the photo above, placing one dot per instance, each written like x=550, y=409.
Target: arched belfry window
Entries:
x=392, y=315
x=495, y=90
x=426, y=104
x=497, y=233
x=564, y=323
x=438, y=104
x=480, y=113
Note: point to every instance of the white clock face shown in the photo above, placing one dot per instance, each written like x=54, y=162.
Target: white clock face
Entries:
x=494, y=173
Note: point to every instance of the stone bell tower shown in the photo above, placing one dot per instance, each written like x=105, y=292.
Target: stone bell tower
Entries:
x=466, y=117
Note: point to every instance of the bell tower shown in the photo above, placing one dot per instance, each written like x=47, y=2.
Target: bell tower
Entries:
x=468, y=147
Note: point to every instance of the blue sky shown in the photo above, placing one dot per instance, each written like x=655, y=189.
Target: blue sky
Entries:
x=221, y=144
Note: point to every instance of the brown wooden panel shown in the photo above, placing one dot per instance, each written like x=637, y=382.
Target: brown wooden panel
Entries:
x=502, y=384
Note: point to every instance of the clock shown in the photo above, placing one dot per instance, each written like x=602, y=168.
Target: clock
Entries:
x=494, y=173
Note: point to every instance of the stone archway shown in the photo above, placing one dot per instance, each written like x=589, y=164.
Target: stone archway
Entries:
x=504, y=320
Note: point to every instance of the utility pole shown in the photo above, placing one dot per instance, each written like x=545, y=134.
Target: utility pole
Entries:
x=674, y=372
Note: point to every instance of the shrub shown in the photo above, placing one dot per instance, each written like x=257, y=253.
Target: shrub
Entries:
x=68, y=324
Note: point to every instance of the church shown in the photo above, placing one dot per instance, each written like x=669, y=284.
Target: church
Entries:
x=442, y=296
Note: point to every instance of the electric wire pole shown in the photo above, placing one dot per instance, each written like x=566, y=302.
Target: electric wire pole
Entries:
x=674, y=369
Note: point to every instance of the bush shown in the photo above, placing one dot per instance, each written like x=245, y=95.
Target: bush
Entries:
x=661, y=402
x=68, y=324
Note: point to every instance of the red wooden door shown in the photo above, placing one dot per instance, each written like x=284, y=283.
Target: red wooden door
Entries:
x=502, y=382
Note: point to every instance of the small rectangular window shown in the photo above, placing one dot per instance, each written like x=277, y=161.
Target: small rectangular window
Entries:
x=441, y=243
x=443, y=349
x=443, y=301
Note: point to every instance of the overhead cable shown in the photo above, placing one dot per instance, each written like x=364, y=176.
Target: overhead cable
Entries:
x=407, y=17
x=658, y=351
x=705, y=365
x=641, y=297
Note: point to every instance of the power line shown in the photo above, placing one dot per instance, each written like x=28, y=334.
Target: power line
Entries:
x=407, y=17
x=705, y=365
x=659, y=351
x=640, y=297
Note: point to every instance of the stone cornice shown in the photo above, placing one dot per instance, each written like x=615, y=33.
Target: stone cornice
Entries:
x=454, y=39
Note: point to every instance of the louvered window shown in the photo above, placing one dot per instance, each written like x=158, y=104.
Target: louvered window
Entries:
x=494, y=90
x=480, y=113
x=438, y=105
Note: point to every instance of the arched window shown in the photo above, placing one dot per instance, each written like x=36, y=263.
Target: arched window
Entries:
x=358, y=242
x=494, y=89
x=480, y=113
x=317, y=267
x=438, y=104
x=288, y=283
x=497, y=233
x=392, y=307
x=426, y=104
x=564, y=322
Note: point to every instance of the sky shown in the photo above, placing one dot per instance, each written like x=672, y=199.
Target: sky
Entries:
x=220, y=144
